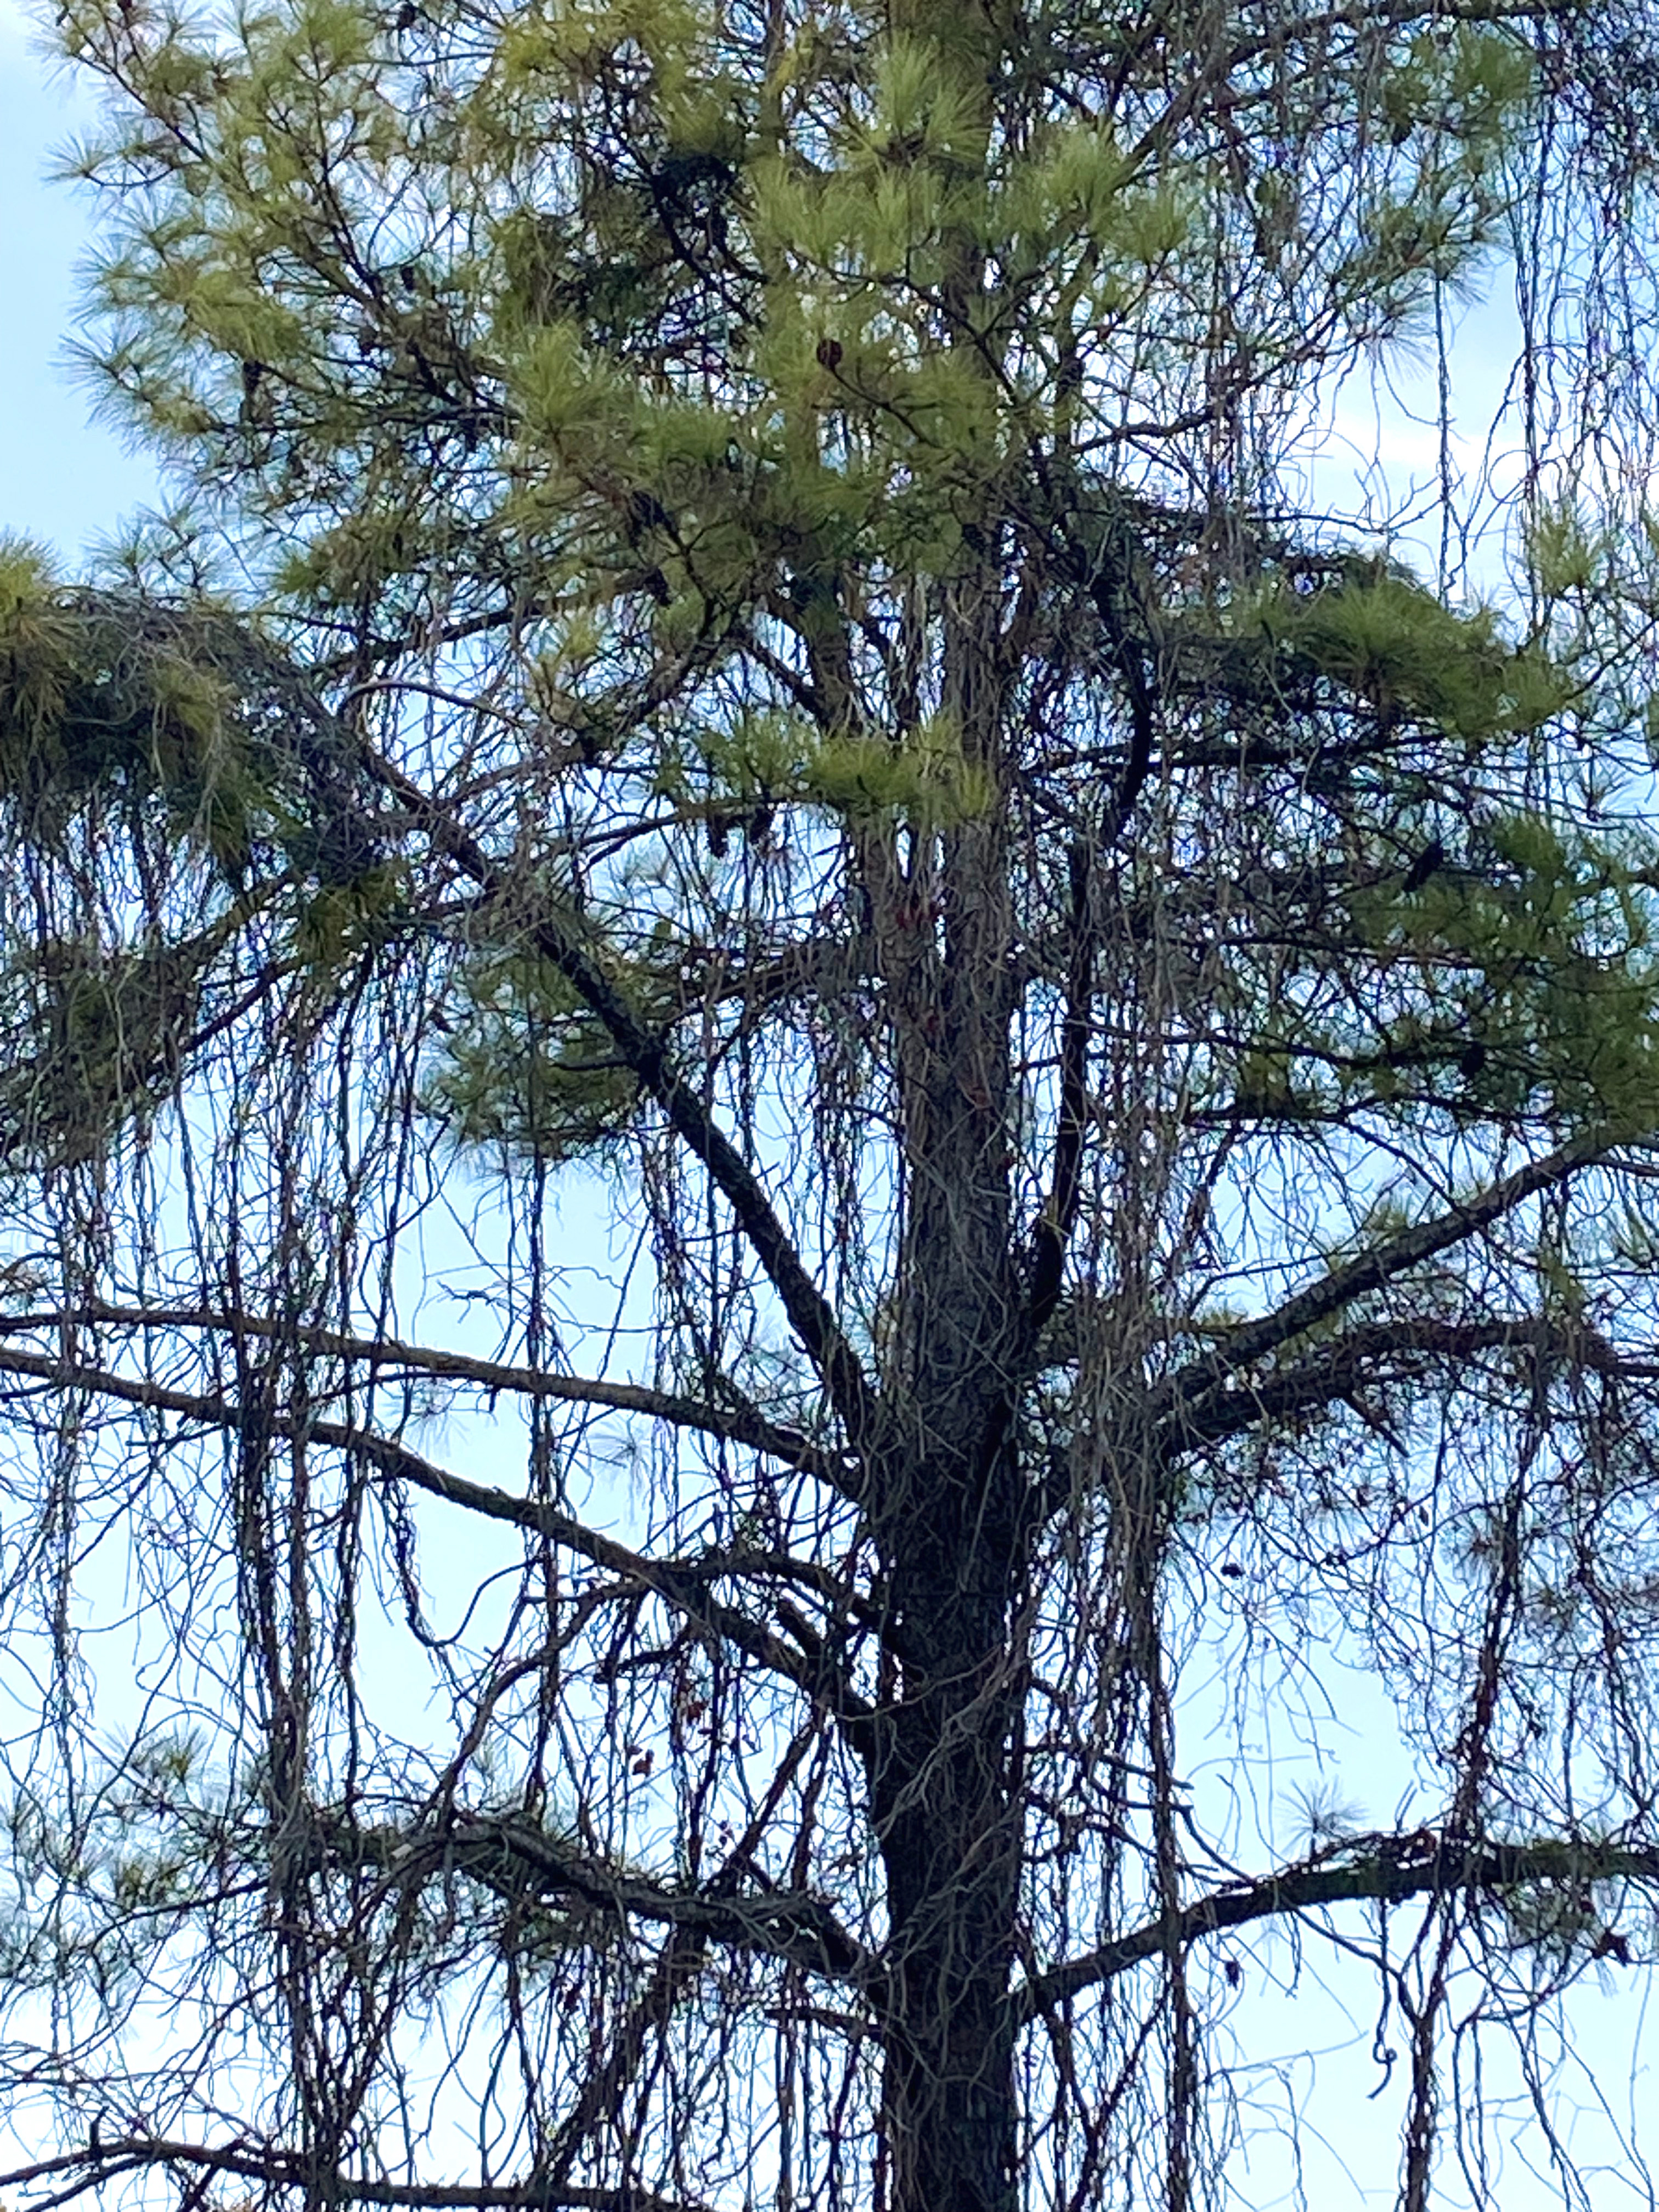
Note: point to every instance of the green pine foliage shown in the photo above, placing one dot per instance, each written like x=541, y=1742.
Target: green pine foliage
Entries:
x=677, y=349
x=527, y=1072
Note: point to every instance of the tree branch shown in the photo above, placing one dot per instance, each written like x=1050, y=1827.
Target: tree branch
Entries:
x=1372, y=1271
x=88, y=2169
x=1389, y=1868
x=1353, y=1360
x=518, y=1859
x=680, y=1583
x=645, y=1052
x=733, y=1425
x=678, y=1967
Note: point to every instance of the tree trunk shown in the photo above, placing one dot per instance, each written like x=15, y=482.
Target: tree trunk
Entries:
x=948, y=1501
x=947, y=1820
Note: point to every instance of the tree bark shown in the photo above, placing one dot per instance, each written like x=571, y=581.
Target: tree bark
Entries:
x=946, y=1816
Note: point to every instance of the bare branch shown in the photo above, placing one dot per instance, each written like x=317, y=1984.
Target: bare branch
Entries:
x=1372, y=1271
x=518, y=1859
x=84, y=2170
x=1382, y=1351
x=1386, y=1868
x=681, y=1584
x=732, y=1424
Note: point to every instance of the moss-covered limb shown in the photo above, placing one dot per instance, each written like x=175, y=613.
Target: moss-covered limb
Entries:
x=107, y=695
x=181, y=709
x=97, y=1036
x=521, y=1862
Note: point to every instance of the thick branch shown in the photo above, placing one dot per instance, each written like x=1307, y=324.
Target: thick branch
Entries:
x=84, y=2170
x=733, y=1425
x=519, y=1860
x=681, y=1584
x=1365, y=1355
x=559, y=940
x=1381, y=1868
x=1323, y=1300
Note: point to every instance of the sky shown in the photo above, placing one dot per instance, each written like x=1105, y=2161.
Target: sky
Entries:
x=62, y=478
x=70, y=482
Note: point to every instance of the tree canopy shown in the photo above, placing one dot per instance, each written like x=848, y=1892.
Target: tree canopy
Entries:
x=815, y=1076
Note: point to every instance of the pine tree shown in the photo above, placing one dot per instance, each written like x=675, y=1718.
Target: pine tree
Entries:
x=771, y=1053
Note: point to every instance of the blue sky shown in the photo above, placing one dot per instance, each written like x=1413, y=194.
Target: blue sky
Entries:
x=64, y=479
